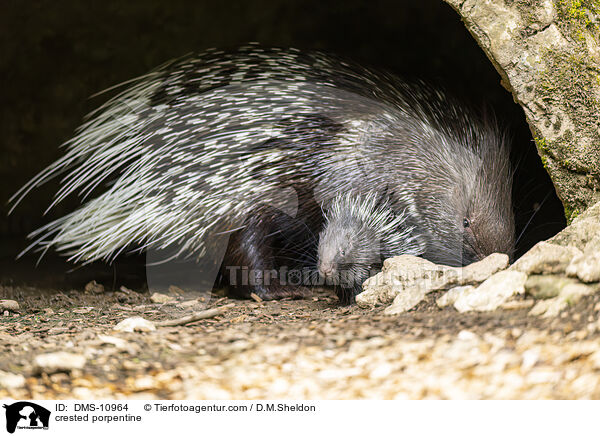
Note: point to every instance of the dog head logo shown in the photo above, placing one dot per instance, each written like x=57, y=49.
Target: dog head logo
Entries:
x=26, y=415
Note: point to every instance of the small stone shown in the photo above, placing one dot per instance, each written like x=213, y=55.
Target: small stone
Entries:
x=125, y=290
x=144, y=383
x=493, y=292
x=176, y=290
x=113, y=340
x=450, y=297
x=192, y=304
x=59, y=361
x=478, y=272
x=516, y=332
x=466, y=335
x=399, y=274
x=94, y=287
x=58, y=330
x=405, y=280
x=406, y=300
x=546, y=286
x=545, y=258
x=381, y=371
x=159, y=298
x=569, y=295
x=595, y=359
x=10, y=305
x=586, y=266
x=517, y=304
x=135, y=324
x=582, y=230
x=82, y=310
x=8, y=380
x=530, y=358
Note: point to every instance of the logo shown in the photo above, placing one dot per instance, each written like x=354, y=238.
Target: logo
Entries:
x=26, y=415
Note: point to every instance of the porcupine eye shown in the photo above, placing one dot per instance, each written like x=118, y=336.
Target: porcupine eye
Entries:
x=466, y=223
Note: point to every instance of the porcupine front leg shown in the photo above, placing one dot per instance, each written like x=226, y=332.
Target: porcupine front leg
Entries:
x=251, y=264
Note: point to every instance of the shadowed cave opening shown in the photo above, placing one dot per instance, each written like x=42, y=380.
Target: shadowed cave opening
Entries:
x=54, y=59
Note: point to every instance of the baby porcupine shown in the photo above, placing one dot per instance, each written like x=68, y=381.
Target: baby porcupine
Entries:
x=227, y=156
x=360, y=232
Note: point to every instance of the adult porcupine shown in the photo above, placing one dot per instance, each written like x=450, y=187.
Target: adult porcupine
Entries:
x=361, y=231
x=247, y=145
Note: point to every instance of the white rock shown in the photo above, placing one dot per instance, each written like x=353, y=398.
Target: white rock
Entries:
x=121, y=344
x=59, y=361
x=582, y=230
x=406, y=280
x=466, y=335
x=586, y=266
x=161, y=298
x=570, y=294
x=135, y=324
x=450, y=297
x=406, y=300
x=492, y=293
x=381, y=371
x=11, y=305
x=595, y=359
x=545, y=258
x=8, y=380
x=479, y=271
x=530, y=358
x=517, y=304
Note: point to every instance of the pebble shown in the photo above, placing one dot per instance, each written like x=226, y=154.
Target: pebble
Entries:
x=59, y=361
x=10, y=305
x=452, y=295
x=135, y=324
x=113, y=340
x=546, y=286
x=569, y=295
x=8, y=380
x=586, y=266
x=517, y=304
x=94, y=287
x=82, y=310
x=492, y=293
x=161, y=298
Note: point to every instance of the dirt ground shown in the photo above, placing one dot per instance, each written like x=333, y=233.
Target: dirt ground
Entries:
x=294, y=349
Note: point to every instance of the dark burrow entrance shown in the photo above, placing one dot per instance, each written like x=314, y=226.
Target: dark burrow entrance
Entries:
x=56, y=59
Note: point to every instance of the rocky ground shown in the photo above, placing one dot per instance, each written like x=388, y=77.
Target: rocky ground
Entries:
x=530, y=331
x=62, y=344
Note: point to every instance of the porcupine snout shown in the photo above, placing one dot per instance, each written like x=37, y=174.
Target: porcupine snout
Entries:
x=326, y=269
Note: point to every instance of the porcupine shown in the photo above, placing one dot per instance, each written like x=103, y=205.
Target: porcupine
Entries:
x=251, y=143
x=360, y=232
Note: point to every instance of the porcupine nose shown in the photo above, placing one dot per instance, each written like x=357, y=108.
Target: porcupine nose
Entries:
x=326, y=269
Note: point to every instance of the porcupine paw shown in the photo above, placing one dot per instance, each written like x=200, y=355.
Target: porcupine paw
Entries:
x=278, y=291
x=347, y=295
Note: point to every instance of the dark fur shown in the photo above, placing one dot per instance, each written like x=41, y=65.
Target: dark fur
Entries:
x=360, y=232
x=208, y=144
